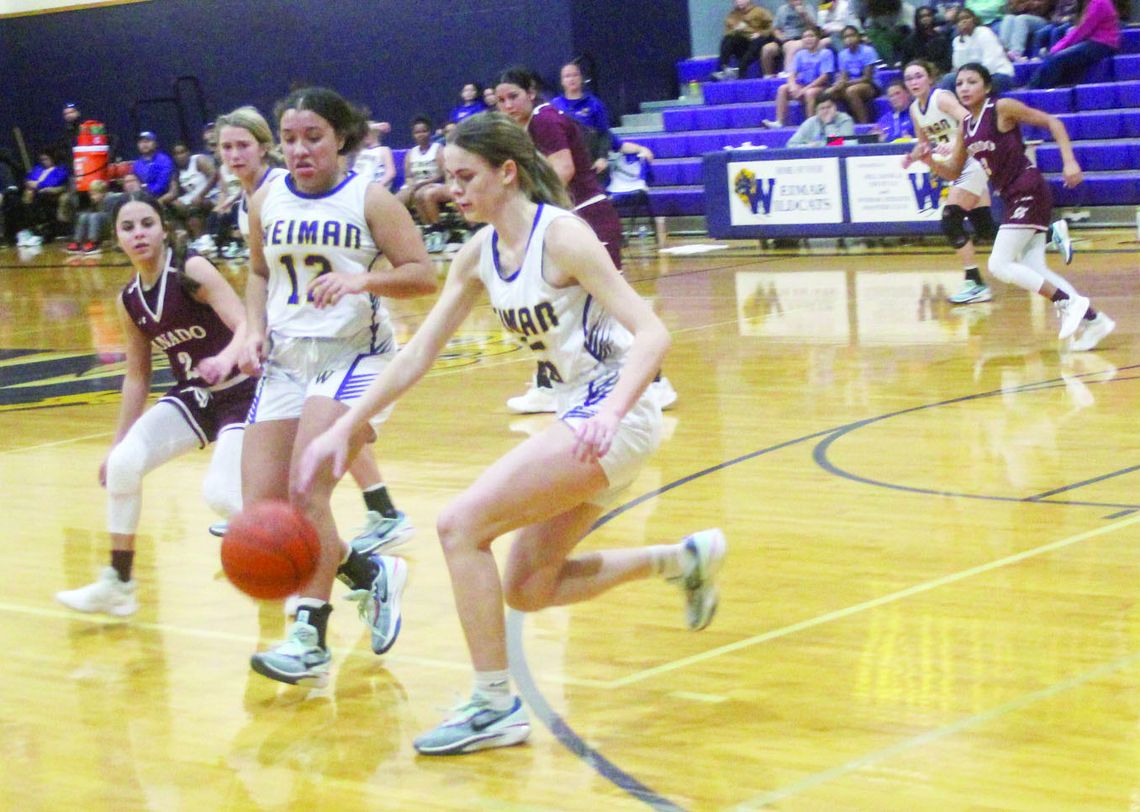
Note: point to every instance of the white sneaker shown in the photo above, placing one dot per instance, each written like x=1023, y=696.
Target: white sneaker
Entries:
x=1094, y=333
x=663, y=393
x=204, y=245
x=705, y=552
x=23, y=237
x=537, y=399
x=1062, y=241
x=1071, y=312
x=108, y=595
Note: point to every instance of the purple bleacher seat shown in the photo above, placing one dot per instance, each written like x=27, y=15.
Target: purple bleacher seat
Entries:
x=884, y=76
x=1128, y=94
x=1100, y=96
x=1107, y=189
x=695, y=70
x=754, y=90
x=1100, y=72
x=669, y=145
x=698, y=143
x=667, y=173
x=1130, y=41
x=677, y=202
x=1126, y=67
x=748, y=115
x=1093, y=156
x=678, y=119
x=1099, y=125
x=720, y=92
x=692, y=172
x=1129, y=123
x=1023, y=70
x=1055, y=100
x=710, y=118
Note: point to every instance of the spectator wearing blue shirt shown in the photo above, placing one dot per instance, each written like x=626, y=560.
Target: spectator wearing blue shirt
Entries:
x=588, y=110
x=155, y=169
x=896, y=124
x=470, y=103
x=812, y=67
x=855, y=82
x=44, y=186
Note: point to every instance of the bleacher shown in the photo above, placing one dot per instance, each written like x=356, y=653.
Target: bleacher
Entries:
x=1101, y=114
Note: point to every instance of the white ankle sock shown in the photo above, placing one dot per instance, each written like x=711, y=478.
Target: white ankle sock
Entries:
x=668, y=560
x=495, y=687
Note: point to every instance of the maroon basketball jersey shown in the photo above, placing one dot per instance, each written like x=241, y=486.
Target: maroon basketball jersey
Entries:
x=1028, y=201
x=552, y=131
x=185, y=329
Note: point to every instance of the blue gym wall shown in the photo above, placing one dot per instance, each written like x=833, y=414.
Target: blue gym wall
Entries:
x=399, y=58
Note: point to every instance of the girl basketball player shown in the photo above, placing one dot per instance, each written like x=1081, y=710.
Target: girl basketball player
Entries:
x=318, y=334
x=558, y=137
x=246, y=144
x=184, y=307
x=991, y=135
x=544, y=268
x=937, y=115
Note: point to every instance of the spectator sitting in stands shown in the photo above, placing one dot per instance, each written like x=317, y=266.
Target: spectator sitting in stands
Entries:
x=834, y=18
x=424, y=191
x=888, y=24
x=855, y=82
x=977, y=43
x=589, y=111
x=896, y=124
x=811, y=71
x=197, y=175
x=92, y=223
x=747, y=30
x=35, y=215
x=373, y=159
x=490, y=99
x=827, y=123
x=1096, y=36
x=470, y=102
x=988, y=12
x=946, y=14
x=1048, y=35
x=927, y=42
x=792, y=19
x=1022, y=19
x=155, y=169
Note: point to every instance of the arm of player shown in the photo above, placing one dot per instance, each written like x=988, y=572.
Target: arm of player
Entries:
x=576, y=254
x=1012, y=113
x=216, y=292
x=252, y=354
x=460, y=293
x=563, y=163
x=951, y=166
x=136, y=382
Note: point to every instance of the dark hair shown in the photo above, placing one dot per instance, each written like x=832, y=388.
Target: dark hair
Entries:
x=981, y=70
x=847, y=28
x=347, y=121
x=896, y=83
x=179, y=246
x=930, y=69
x=522, y=77
x=974, y=14
x=815, y=29
x=496, y=138
x=422, y=120
x=478, y=88
x=825, y=98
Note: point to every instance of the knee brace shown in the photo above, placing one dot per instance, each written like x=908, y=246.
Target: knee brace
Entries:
x=954, y=225
x=982, y=219
x=126, y=465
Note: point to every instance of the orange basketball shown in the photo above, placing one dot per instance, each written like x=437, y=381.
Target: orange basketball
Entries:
x=270, y=550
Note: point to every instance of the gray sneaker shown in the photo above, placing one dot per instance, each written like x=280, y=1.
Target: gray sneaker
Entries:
x=381, y=534
x=1062, y=241
x=705, y=551
x=379, y=606
x=476, y=726
x=297, y=660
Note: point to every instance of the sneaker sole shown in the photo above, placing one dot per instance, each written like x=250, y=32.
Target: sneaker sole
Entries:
x=515, y=734
x=118, y=611
x=395, y=593
x=398, y=540
x=309, y=679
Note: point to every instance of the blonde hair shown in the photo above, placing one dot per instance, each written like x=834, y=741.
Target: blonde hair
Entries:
x=248, y=118
x=497, y=139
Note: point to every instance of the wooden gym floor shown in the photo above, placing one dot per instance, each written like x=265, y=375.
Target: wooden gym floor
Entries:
x=930, y=600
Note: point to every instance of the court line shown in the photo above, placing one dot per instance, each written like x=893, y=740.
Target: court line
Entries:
x=818, y=779
x=55, y=443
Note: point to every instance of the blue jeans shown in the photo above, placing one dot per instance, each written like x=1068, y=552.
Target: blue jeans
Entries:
x=1046, y=37
x=1067, y=66
x=1016, y=30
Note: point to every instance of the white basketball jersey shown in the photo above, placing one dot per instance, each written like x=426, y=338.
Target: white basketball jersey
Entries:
x=576, y=342
x=369, y=163
x=305, y=236
x=423, y=165
x=243, y=204
x=939, y=126
x=191, y=180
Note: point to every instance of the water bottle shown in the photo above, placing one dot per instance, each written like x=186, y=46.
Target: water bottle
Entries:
x=694, y=89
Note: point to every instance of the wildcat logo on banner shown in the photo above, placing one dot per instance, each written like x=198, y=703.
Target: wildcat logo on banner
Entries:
x=879, y=190
x=790, y=192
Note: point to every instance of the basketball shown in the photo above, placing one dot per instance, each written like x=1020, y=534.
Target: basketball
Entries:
x=270, y=550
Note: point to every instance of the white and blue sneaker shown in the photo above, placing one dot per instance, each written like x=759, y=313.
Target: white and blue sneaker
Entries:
x=1061, y=240
x=704, y=551
x=297, y=660
x=381, y=534
x=971, y=293
x=475, y=725
x=379, y=606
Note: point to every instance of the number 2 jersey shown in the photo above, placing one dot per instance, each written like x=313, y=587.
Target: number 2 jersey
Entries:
x=580, y=347
x=304, y=236
x=1028, y=201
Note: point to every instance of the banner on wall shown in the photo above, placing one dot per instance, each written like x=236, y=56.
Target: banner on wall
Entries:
x=785, y=192
x=17, y=8
x=879, y=190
